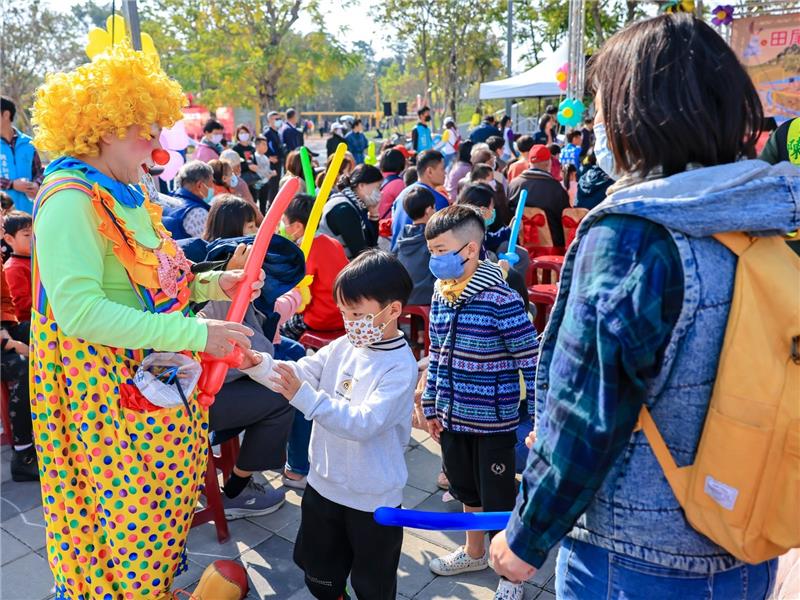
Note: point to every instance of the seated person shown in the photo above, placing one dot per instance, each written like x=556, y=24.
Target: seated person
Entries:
x=18, y=228
x=412, y=249
x=185, y=217
x=325, y=260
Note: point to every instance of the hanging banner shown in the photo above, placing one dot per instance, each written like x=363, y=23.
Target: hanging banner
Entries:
x=769, y=48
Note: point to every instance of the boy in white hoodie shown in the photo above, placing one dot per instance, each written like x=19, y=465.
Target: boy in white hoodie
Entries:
x=359, y=391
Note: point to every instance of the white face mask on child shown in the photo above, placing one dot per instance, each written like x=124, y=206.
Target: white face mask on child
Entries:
x=363, y=332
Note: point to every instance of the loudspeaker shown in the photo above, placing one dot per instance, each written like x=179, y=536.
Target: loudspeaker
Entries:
x=387, y=109
x=402, y=109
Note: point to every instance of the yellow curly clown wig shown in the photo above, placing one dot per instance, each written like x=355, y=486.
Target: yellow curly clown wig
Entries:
x=118, y=89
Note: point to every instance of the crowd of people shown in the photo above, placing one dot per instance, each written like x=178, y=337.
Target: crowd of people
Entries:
x=103, y=278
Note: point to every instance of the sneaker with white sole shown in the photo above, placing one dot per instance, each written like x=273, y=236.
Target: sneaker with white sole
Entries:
x=508, y=591
x=457, y=562
x=296, y=484
x=254, y=500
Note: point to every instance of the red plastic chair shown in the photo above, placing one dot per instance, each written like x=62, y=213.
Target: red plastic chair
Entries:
x=214, y=511
x=423, y=314
x=543, y=296
x=6, y=437
x=545, y=269
x=319, y=339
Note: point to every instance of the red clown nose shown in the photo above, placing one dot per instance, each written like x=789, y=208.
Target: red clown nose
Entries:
x=160, y=156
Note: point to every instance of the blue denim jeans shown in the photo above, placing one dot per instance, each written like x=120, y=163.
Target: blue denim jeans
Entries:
x=588, y=572
x=300, y=435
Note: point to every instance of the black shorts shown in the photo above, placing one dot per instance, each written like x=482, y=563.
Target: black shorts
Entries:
x=480, y=468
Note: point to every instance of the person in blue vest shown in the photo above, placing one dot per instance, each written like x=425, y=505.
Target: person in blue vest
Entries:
x=421, y=138
x=21, y=171
x=431, y=175
x=643, y=304
x=356, y=141
x=186, y=216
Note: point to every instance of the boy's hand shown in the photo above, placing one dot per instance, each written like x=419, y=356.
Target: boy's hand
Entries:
x=239, y=257
x=435, y=428
x=506, y=563
x=530, y=440
x=250, y=359
x=230, y=281
x=284, y=381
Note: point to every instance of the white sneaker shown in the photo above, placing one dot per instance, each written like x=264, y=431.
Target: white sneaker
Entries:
x=458, y=562
x=508, y=591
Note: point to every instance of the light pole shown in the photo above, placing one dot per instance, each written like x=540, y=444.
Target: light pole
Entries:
x=509, y=38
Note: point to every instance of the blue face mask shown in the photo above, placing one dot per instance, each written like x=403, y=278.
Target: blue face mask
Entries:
x=490, y=221
x=448, y=266
x=602, y=151
x=234, y=181
x=210, y=194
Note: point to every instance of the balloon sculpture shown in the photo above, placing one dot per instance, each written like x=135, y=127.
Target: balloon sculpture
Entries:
x=370, y=158
x=214, y=369
x=441, y=521
x=511, y=256
x=570, y=112
x=308, y=171
x=562, y=77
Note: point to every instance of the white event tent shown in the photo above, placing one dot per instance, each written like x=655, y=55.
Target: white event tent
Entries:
x=536, y=82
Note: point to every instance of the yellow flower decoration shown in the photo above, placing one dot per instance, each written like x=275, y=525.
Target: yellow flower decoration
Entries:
x=115, y=34
x=118, y=89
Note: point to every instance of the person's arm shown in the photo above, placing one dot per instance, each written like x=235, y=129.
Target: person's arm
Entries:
x=308, y=369
x=70, y=254
x=429, y=394
x=344, y=221
x=389, y=404
x=623, y=303
x=414, y=138
x=520, y=339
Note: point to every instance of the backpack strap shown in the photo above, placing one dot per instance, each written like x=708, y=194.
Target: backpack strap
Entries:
x=734, y=241
x=676, y=476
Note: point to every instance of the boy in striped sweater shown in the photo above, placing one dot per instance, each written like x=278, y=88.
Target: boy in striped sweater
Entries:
x=481, y=339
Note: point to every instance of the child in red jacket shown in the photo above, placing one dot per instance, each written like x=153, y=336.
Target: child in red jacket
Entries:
x=18, y=235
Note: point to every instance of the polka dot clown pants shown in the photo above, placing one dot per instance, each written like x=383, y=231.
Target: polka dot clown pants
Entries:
x=119, y=485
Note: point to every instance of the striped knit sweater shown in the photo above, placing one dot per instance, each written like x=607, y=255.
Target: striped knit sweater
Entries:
x=479, y=343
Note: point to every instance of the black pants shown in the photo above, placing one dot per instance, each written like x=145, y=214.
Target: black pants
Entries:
x=266, y=417
x=335, y=541
x=271, y=191
x=15, y=374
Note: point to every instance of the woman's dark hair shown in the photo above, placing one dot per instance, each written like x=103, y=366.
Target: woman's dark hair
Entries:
x=476, y=194
x=373, y=275
x=220, y=168
x=672, y=92
x=6, y=201
x=464, y=151
x=410, y=176
x=361, y=174
x=555, y=149
x=495, y=142
x=504, y=121
x=392, y=161
x=212, y=125
x=417, y=201
x=480, y=171
x=227, y=217
x=543, y=121
x=240, y=127
x=294, y=164
x=299, y=208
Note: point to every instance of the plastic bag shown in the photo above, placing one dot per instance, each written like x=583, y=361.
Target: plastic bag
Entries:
x=167, y=379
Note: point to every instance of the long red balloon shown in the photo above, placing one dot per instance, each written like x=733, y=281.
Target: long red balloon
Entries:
x=215, y=369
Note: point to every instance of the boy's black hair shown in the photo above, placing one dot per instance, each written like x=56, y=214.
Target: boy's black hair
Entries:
x=476, y=194
x=356, y=122
x=572, y=135
x=6, y=201
x=299, y=208
x=423, y=110
x=480, y=171
x=555, y=149
x=16, y=221
x=410, y=176
x=259, y=139
x=417, y=201
x=392, y=161
x=428, y=158
x=212, y=125
x=495, y=142
x=6, y=104
x=456, y=218
x=373, y=275
x=465, y=151
x=525, y=143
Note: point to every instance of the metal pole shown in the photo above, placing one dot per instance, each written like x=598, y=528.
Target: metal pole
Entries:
x=575, y=81
x=509, y=39
x=131, y=13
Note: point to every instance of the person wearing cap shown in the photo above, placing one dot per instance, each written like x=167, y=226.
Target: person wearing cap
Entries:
x=336, y=138
x=275, y=153
x=451, y=139
x=543, y=191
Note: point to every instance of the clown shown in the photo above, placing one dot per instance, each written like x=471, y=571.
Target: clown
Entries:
x=119, y=474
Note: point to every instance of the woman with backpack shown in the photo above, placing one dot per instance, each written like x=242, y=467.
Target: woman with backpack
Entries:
x=645, y=296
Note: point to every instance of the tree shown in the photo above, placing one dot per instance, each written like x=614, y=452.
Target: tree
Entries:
x=35, y=40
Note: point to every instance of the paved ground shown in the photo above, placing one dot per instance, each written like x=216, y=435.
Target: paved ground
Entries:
x=262, y=544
